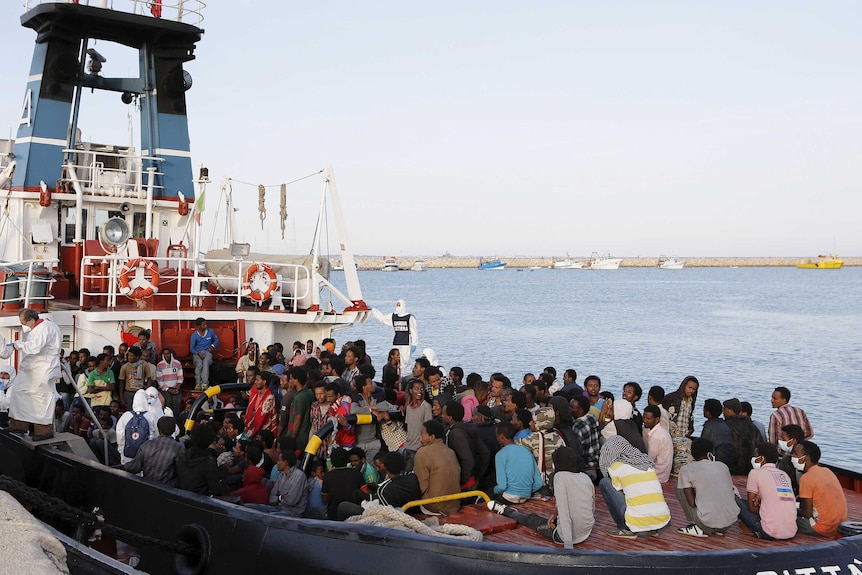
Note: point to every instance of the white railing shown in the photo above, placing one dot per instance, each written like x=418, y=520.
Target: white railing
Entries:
x=27, y=282
x=124, y=181
x=103, y=280
x=186, y=11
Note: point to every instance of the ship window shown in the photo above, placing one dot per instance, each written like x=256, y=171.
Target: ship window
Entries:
x=139, y=225
x=69, y=225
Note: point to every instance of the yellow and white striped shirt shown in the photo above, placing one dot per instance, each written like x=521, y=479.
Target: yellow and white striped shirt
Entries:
x=646, y=509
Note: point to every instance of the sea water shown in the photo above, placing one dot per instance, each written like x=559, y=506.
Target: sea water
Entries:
x=740, y=331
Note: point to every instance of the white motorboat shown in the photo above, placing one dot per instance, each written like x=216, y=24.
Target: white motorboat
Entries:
x=419, y=266
x=605, y=262
x=670, y=263
x=567, y=264
x=390, y=264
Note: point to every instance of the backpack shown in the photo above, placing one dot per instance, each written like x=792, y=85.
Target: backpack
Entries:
x=137, y=432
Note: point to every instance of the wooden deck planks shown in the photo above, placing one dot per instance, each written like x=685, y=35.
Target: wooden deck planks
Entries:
x=669, y=540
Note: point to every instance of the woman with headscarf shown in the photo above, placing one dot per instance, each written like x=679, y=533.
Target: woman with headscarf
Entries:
x=623, y=425
x=680, y=407
x=631, y=490
x=574, y=494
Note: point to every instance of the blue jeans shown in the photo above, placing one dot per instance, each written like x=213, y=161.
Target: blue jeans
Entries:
x=752, y=520
x=616, y=502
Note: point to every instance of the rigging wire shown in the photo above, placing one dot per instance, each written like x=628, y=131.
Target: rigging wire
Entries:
x=278, y=185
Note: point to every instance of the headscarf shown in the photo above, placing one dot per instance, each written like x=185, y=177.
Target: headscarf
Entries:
x=431, y=356
x=567, y=459
x=616, y=448
x=622, y=409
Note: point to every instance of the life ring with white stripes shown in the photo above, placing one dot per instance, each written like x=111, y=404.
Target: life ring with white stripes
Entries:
x=257, y=272
x=141, y=291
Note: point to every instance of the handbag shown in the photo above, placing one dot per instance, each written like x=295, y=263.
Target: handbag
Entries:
x=394, y=434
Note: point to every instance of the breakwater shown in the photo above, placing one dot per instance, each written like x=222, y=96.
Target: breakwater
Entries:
x=406, y=262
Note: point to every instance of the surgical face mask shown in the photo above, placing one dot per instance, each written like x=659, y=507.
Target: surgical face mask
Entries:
x=25, y=328
x=754, y=463
x=796, y=464
x=782, y=445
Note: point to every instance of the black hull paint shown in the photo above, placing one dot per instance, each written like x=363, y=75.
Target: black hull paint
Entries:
x=241, y=539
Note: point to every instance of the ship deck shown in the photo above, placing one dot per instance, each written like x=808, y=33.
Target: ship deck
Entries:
x=506, y=532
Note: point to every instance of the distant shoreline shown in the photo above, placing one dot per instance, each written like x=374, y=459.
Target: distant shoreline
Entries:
x=406, y=262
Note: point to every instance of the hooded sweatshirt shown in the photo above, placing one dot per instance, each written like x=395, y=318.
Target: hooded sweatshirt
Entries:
x=253, y=489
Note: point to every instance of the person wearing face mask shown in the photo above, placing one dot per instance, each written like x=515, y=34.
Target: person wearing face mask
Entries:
x=406, y=333
x=7, y=375
x=789, y=437
x=34, y=395
x=822, y=506
x=770, y=509
x=706, y=493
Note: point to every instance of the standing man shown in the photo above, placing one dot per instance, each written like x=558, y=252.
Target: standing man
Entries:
x=35, y=394
x=261, y=412
x=299, y=421
x=406, y=333
x=785, y=414
x=133, y=376
x=202, y=346
x=100, y=382
x=157, y=458
x=169, y=376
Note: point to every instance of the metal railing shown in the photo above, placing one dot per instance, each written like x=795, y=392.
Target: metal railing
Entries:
x=126, y=180
x=27, y=282
x=186, y=11
x=100, y=277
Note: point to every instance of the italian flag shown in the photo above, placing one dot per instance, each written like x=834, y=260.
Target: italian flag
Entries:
x=199, y=206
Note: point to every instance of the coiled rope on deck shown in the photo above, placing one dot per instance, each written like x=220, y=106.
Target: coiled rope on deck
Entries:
x=385, y=516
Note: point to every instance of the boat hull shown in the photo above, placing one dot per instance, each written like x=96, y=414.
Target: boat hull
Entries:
x=611, y=264
x=827, y=265
x=672, y=265
x=270, y=542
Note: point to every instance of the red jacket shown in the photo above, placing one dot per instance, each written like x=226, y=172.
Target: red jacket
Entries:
x=253, y=490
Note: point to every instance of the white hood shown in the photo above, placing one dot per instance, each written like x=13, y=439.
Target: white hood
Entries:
x=431, y=356
x=400, y=307
x=140, y=401
x=154, y=403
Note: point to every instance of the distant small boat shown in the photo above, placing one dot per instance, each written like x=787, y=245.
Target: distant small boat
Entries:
x=567, y=264
x=337, y=268
x=419, y=266
x=671, y=263
x=390, y=264
x=605, y=262
x=830, y=262
x=494, y=264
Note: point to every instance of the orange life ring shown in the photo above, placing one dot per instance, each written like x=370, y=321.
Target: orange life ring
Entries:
x=257, y=294
x=142, y=291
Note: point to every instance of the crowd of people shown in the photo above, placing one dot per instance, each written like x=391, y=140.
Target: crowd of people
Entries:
x=319, y=435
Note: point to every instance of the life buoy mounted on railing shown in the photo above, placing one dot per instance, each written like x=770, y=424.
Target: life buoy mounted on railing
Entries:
x=257, y=272
x=142, y=291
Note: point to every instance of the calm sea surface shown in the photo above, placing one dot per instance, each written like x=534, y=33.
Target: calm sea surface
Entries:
x=741, y=332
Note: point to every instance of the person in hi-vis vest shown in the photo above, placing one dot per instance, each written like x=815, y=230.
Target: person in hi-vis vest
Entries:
x=406, y=333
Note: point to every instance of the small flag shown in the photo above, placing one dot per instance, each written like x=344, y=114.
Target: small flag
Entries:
x=199, y=206
x=155, y=8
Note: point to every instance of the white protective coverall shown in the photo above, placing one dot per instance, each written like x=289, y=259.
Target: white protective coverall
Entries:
x=406, y=333
x=35, y=387
x=140, y=404
x=6, y=384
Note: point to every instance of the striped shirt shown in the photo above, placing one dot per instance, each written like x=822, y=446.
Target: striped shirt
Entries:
x=786, y=415
x=646, y=509
x=169, y=375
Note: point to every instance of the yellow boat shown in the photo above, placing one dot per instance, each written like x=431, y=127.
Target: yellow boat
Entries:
x=830, y=262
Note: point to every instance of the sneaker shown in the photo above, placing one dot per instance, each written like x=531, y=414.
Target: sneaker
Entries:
x=622, y=534
x=692, y=530
x=719, y=533
x=496, y=507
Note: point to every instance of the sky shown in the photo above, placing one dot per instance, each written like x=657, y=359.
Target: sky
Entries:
x=512, y=128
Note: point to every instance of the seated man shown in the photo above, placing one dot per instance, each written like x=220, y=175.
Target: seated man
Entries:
x=290, y=491
x=518, y=476
x=789, y=437
x=820, y=493
x=715, y=429
x=770, y=511
x=396, y=490
x=705, y=492
x=340, y=483
x=436, y=467
x=574, y=494
x=631, y=490
x=659, y=443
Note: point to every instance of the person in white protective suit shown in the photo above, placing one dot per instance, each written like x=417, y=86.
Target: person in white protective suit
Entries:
x=35, y=393
x=7, y=379
x=406, y=333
